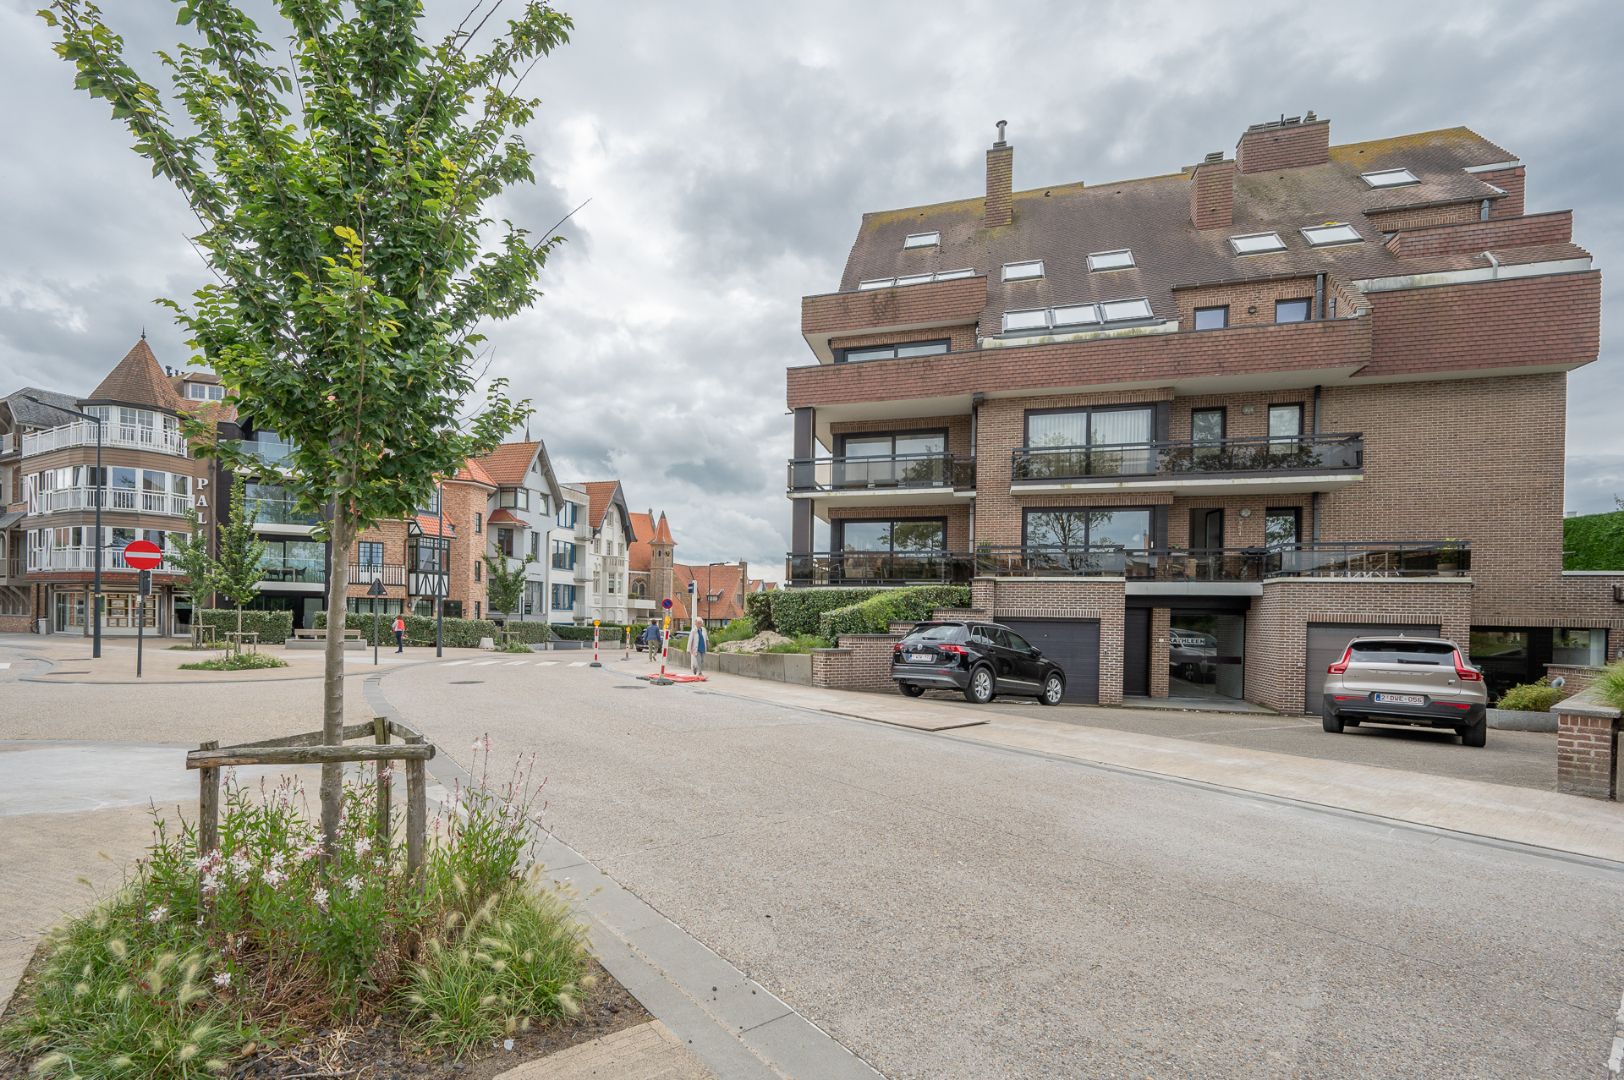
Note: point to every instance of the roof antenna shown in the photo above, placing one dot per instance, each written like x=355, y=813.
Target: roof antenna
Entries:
x=1001, y=126
x=143, y=333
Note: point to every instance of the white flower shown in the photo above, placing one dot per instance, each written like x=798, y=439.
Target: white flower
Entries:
x=240, y=864
x=354, y=883
x=362, y=846
x=158, y=914
x=223, y=979
x=482, y=743
x=211, y=884
x=273, y=878
x=320, y=896
x=279, y=860
x=309, y=851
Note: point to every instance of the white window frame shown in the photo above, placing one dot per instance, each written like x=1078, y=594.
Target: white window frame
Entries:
x=1027, y=270
x=1149, y=312
x=1390, y=178
x=1313, y=234
x=1008, y=329
x=922, y=240
x=1095, y=258
x=1279, y=242
x=915, y=279
x=1093, y=310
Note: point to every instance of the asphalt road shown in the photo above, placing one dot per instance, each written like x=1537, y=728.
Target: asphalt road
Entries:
x=952, y=910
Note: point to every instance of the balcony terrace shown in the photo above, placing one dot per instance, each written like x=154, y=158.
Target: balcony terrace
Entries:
x=1227, y=466
x=83, y=559
x=128, y=500
x=898, y=478
x=83, y=433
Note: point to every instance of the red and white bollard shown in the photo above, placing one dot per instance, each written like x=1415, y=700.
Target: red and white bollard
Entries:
x=595, y=661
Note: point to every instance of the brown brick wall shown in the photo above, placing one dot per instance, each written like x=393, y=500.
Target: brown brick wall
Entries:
x=1147, y=358
x=1421, y=217
x=1068, y=598
x=1212, y=195
x=862, y=662
x=1277, y=625
x=1513, y=182
x=1251, y=303
x=1476, y=236
x=1000, y=182
x=1284, y=147
x=16, y=624
x=958, y=429
x=960, y=338
x=1510, y=323
x=1161, y=627
x=1587, y=755
x=943, y=302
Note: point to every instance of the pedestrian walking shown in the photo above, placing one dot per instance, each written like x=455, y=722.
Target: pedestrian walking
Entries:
x=698, y=641
x=651, y=639
x=399, y=628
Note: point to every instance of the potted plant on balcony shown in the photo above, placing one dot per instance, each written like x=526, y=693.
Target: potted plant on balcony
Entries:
x=1449, y=552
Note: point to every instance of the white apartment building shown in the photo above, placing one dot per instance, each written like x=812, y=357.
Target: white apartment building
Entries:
x=520, y=518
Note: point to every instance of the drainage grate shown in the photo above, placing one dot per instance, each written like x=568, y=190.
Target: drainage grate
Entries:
x=631, y=688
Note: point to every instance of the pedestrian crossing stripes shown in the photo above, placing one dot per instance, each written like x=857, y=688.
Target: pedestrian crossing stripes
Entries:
x=511, y=663
x=547, y=663
x=5, y=665
x=456, y=663
x=577, y=663
x=487, y=663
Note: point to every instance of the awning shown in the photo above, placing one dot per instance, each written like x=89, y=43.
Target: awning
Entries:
x=8, y=520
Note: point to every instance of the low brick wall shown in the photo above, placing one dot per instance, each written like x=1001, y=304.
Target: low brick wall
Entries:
x=16, y=624
x=1587, y=746
x=859, y=662
x=772, y=667
x=1575, y=677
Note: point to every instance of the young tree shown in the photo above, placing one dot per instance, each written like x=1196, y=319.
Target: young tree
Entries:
x=237, y=569
x=195, y=559
x=504, y=585
x=340, y=200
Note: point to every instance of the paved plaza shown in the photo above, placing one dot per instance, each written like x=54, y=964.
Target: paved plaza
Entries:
x=1045, y=893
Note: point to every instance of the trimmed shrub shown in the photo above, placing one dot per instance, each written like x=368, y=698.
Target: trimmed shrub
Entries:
x=459, y=633
x=1531, y=697
x=1593, y=541
x=1611, y=682
x=796, y=611
x=875, y=614
x=269, y=625
x=737, y=630
x=531, y=633
x=759, y=608
x=606, y=632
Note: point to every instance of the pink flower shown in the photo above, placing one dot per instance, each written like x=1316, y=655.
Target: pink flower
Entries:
x=158, y=914
x=362, y=846
x=223, y=979
x=273, y=878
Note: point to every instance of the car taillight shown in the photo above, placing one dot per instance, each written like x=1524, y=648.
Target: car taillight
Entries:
x=1341, y=666
x=896, y=648
x=1464, y=673
x=953, y=650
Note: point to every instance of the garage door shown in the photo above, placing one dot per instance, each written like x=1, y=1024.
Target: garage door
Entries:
x=1074, y=644
x=1326, y=642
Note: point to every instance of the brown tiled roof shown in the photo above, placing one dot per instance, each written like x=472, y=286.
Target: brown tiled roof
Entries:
x=640, y=552
x=509, y=463
x=722, y=578
x=430, y=524
x=1061, y=224
x=503, y=516
x=138, y=380
x=599, y=494
x=662, y=532
x=472, y=472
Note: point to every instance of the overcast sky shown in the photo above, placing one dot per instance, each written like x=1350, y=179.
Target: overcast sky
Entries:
x=729, y=150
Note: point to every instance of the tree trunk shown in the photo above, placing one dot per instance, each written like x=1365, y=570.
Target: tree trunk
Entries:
x=332, y=721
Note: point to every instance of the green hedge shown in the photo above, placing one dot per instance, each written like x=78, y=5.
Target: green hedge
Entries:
x=796, y=611
x=1593, y=542
x=1531, y=697
x=531, y=633
x=606, y=632
x=875, y=614
x=459, y=633
x=759, y=607
x=271, y=626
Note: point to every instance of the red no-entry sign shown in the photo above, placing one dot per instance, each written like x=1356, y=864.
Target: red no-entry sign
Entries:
x=142, y=555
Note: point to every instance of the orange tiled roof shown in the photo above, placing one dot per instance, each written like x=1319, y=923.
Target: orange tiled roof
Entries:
x=138, y=380
x=430, y=524
x=509, y=463
x=503, y=516
x=600, y=494
x=472, y=472
x=662, y=532
x=640, y=552
x=722, y=578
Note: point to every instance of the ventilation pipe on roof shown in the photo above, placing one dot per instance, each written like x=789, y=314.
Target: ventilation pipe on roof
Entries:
x=1319, y=295
x=1494, y=262
x=1000, y=181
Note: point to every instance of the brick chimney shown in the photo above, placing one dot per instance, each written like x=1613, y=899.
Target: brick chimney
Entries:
x=1288, y=143
x=1000, y=180
x=1212, y=193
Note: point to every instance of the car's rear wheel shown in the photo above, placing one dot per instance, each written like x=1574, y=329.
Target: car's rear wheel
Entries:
x=910, y=689
x=1332, y=721
x=1054, y=688
x=1477, y=735
x=981, y=688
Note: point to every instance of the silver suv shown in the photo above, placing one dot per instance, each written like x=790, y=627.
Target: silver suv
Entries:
x=1424, y=682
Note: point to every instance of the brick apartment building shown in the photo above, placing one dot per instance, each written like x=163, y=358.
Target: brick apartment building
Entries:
x=1189, y=433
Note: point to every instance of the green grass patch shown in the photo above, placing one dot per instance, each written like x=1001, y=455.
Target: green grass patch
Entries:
x=737, y=630
x=800, y=643
x=246, y=661
x=270, y=938
x=514, y=647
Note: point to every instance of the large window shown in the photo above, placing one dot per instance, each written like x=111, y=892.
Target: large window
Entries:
x=1207, y=431
x=567, y=513
x=429, y=554
x=1289, y=311
x=515, y=498
x=1070, y=442
x=892, y=352
x=900, y=537
x=563, y=597
x=1282, y=527
x=563, y=555
x=1285, y=428
x=1071, y=528
x=369, y=553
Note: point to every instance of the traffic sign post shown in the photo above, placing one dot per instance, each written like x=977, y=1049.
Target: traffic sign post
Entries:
x=145, y=556
x=665, y=644
x=375, y=590
x=595, y=661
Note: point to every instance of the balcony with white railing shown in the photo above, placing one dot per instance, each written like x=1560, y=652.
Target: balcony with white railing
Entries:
x=44, y=561
x=126, y=500
x=161, y=440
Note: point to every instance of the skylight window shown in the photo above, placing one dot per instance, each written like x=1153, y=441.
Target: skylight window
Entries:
x=922, y=240
x=1021, y=271
x=1125, y=310
x=1111, y=260
x=1389, y=178
x=916, y=279
x=1026, y=320
x=1257, y=243
x=1331, y=233
x=1076, y=315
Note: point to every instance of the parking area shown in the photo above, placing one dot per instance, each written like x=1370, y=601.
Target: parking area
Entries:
x=1519, y=758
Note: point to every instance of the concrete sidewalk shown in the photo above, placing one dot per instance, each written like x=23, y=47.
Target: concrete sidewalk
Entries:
x=1517, y=815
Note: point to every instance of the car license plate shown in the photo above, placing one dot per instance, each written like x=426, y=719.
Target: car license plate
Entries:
x=1400, y=699
x=920, y=658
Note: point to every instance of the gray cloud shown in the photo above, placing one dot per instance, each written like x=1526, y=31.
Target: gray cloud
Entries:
x=729, y=151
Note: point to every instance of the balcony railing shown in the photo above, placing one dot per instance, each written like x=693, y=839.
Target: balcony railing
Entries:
x=84, y=558
x=126, y=499
x=1296, y=454
x=83, y=433
x=1351, y=560
x=13, y=567
x=280, y=512
x=9, y=443
x=367, y=573
x=269, y=451
x=884, y=472
x=294, y=571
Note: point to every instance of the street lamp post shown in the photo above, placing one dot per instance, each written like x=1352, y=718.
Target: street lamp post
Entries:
x=101, y=488
x=442, y=558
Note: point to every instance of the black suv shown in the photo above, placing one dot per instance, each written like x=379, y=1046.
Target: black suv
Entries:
x=980, y=659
